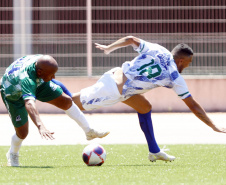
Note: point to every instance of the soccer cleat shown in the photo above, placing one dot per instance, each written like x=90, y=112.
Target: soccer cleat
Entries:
x=92, y=134
x=160, y=156
x=12, y=159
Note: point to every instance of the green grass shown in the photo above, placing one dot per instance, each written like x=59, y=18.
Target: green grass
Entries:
x=125, y=164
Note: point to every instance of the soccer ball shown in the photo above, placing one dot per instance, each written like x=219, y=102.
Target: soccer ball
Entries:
x=94, y=155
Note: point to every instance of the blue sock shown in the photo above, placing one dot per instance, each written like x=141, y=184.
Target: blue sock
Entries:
x=147, y=128
x=63, y=87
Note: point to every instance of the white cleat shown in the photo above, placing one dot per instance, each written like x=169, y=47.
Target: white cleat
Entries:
x=160, y=156
x=12, y=159
x=92, y=134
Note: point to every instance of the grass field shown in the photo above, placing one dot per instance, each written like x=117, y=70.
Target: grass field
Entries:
x=125, y=164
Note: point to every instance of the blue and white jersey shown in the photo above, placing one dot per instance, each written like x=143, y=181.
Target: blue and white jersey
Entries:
x=154, y=67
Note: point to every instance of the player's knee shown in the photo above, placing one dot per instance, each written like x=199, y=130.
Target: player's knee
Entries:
x=149, y=107
x=146, y=108
x=67, y=103
x=76, y=100
x=22, y=131
x=22, y=134
x=76, y=97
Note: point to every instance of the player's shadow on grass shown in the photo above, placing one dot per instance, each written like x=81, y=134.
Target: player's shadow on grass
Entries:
x=137, y=165
x=35, y=167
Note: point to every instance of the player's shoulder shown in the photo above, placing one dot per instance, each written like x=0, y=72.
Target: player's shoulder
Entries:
x=150, y=46
x=32, y=57
x=28, y=71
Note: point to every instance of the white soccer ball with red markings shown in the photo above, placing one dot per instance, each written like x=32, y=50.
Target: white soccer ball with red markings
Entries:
x=94, y=155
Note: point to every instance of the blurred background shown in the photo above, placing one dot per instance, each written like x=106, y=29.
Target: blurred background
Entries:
x=68, y=29
x=59, y=28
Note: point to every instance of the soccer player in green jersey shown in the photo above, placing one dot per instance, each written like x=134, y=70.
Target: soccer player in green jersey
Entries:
x=25, y=80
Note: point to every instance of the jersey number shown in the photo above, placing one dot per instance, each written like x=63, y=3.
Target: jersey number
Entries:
x=149, y=68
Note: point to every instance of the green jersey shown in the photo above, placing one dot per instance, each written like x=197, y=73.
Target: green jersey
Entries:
x=20, y=79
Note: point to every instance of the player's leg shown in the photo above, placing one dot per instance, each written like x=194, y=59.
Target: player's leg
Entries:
x=53, y=94
x=16, y=142
x=19, y=117
x=139, y=103
x=22, y=131
x=65, y=103
x=76, y=100
x=63, y=87
x=143, y=107
x=75, y=96
x=72, y=110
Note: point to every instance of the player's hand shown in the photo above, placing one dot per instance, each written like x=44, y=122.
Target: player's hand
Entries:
x=219, y=129
x=46, y=133
x=103, y=47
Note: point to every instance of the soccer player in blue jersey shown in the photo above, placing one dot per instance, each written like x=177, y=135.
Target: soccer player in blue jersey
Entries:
x=25, y=80
x=154, y=67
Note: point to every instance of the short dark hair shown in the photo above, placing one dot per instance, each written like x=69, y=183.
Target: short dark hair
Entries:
x=182, y=50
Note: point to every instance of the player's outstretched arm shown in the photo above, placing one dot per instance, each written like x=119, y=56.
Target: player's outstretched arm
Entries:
x=34, y=115
x=201, y=114
x=123, y=42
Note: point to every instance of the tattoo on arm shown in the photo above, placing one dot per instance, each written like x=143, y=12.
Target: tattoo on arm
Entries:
x=203, y=117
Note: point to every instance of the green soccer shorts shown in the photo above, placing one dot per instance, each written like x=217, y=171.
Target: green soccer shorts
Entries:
x=46, y=92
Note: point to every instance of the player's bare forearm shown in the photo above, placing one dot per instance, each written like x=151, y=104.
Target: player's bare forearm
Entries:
x=123, y=42
x=34, y=115
x=198, y=110
x=201, y=114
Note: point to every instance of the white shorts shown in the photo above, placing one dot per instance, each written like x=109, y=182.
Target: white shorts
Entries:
x=102, y=94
